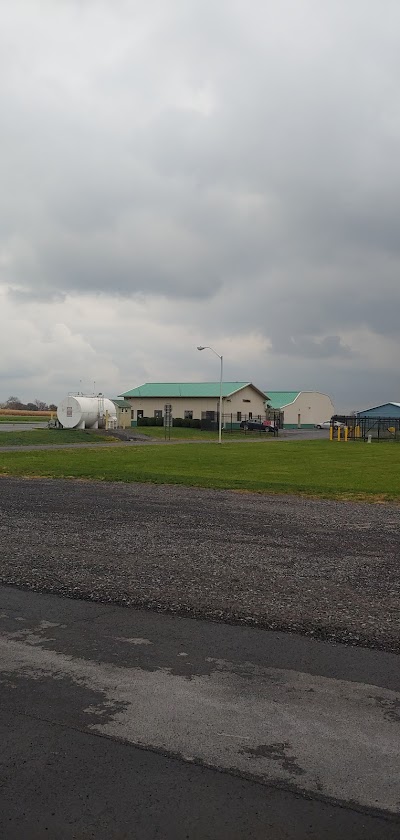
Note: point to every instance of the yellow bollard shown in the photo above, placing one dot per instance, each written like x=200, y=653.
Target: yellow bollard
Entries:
x=338, y=432
x=330, y=432
x=346, y=433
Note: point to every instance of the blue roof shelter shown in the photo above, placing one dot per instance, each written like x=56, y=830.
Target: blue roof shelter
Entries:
x=391, y=409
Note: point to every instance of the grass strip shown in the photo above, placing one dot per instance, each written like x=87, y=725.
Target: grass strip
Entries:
x=317, y=468
x=6, y=418
x=50, y=436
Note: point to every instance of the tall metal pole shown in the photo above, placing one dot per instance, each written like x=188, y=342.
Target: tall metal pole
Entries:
x=220, y=402
x=221, y=358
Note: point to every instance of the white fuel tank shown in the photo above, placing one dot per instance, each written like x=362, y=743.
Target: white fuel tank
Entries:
x=80, y=412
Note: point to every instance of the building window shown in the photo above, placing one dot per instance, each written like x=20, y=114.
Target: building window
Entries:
x=132, y=414
x=250, y=415
x=139, y=414
x=158, y=413
x=246, y=400
x=238, y=416
x=188, y=415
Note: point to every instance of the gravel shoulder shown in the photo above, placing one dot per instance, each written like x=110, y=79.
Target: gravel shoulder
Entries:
x=325, y=569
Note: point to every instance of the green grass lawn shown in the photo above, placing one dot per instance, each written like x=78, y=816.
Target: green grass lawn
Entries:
x=53, y=436
x=316, y=468
x=19, y=418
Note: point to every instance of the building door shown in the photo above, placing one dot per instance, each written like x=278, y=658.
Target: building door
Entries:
x=208, y=420
x=299, y=421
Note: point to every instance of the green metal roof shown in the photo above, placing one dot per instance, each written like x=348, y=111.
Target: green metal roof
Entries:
x=188, y=389
x=277, y=399
x=121, y=403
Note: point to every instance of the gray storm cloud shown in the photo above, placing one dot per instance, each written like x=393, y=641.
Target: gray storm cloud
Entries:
x=213, y=153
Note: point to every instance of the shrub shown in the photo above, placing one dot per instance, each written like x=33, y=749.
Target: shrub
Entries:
x=150, y=421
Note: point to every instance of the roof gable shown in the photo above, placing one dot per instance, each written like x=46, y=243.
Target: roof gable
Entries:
x=378, y=407
x=120, y=403
x=169, y=390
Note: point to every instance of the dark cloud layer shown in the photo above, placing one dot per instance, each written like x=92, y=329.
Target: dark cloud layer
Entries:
x=210, y=155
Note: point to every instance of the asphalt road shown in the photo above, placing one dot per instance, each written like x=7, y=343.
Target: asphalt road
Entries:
x=21, y=427
x=116, y=723
x=140, y=439
x=284, y=433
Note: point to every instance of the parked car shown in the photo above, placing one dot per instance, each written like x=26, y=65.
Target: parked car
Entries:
x=259, y=426
x=327, y=424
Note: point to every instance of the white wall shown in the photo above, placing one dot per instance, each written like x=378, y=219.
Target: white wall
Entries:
x=312, y=407
x=247, y=400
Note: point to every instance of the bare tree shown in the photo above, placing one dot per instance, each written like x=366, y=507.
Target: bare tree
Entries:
x=15, y=403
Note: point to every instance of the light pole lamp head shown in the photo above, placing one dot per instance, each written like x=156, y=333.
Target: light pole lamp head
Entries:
x=201, y=348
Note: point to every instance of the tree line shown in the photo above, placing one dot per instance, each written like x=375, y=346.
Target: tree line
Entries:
x=37, y=405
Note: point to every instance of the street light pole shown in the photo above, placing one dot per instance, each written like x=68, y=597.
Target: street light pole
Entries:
x=221, y=358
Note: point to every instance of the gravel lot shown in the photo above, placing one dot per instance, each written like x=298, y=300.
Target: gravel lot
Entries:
x=328, y=569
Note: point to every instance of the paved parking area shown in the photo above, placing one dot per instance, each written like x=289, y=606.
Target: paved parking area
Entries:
x=21, y=427
x=117, y=723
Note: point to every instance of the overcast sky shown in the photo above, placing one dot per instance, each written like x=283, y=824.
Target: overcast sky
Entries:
x=183, y=172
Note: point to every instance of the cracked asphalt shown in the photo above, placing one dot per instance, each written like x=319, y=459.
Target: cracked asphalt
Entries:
x=118, y=723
